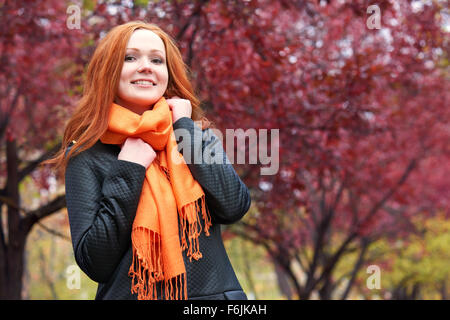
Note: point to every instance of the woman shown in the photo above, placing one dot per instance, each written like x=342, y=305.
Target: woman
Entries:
x=145, y=223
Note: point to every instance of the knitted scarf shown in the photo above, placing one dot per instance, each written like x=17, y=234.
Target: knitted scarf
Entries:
x=169, y=192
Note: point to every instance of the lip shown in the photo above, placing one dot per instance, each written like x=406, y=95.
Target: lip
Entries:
x=144, y=85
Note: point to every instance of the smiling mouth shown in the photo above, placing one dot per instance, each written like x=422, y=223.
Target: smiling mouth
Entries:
x=146, y=83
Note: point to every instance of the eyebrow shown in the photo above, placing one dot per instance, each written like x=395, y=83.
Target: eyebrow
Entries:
x=152, y=50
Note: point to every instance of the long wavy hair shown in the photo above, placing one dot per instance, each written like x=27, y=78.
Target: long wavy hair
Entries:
x=90, y=119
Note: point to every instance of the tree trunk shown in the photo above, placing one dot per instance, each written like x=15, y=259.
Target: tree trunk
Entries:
x=12, y=271
x=443, y=291
x=283, y=281
x=18, y=224
x=247, y=269
x=12, y=249
x=361, y=258
x=326, y=290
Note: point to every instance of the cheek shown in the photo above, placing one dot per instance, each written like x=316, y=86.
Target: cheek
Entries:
x=122, y=89
x=126, y=73
x=164, y=79
x=163, y=75
x=124, y=82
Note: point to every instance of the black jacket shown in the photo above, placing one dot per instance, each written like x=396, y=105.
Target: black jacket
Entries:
x=102, y=195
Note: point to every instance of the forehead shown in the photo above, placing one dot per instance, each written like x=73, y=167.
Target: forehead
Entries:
x=146, y=40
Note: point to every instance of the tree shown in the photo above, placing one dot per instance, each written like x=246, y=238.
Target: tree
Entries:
x=414, y=267
x=349, y=105
x=355, y=134
x=348, y=100
x=36, y=71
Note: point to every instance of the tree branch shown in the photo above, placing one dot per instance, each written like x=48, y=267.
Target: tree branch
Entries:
x=357, y=266
x=194, y=14
x=34, y=216
x=33, y=164
x=412, y=164
x=53, y=232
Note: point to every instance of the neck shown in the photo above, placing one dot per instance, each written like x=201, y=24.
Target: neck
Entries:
x=139, y=109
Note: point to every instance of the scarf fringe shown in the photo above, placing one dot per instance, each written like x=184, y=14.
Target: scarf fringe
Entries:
x=147, y=273
x=192, y=230
x=147, y=267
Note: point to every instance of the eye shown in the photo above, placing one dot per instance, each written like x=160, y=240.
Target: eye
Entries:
x=157, y=60
x=129, y=58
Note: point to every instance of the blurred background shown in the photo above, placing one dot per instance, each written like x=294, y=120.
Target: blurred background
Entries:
x=359, y=205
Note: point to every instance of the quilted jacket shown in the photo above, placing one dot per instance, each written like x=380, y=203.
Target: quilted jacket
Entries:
x=102, y=195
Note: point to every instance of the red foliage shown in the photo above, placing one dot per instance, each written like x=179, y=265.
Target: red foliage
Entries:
x=361, y=113
x=38, y=69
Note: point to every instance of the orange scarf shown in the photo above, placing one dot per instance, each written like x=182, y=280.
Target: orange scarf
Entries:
x=169, y=191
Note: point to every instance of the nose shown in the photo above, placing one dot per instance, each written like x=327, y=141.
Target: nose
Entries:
x=145, y=66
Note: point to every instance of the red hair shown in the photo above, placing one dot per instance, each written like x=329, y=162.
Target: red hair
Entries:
x=90, y=119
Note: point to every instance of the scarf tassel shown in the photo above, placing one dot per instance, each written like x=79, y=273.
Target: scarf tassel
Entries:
x=190, y=212
x=146, y=272
x=191, y=227
x=147, y=268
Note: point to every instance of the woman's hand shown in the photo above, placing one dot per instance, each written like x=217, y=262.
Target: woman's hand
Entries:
x=138, y=151
x=180, y=108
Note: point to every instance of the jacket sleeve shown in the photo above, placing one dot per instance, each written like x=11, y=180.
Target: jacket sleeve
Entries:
x=101, y=213
x=227, y=197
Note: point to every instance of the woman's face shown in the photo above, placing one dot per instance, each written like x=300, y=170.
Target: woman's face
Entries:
x=144, y=76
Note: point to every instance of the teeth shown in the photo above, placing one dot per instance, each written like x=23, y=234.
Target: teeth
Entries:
x=144, y=82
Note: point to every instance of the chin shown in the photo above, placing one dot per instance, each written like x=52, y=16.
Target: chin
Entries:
x=138, y=102
x=145, y=102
